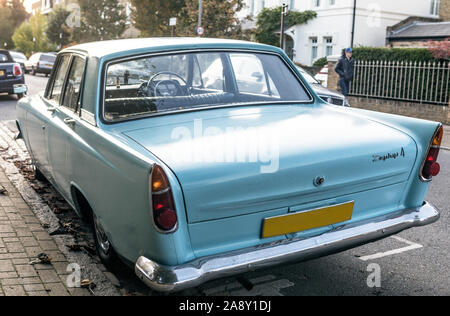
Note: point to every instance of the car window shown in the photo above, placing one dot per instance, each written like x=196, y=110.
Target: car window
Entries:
x=250, y=75
x=59, y=78
x=4, y=57
x=184, y=81
x=49, y=58
x=208, y=72
x=73, y=87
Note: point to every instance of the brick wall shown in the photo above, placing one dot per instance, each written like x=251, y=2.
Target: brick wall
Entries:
x=423, y=111
x=445, y=10
x=333, y=77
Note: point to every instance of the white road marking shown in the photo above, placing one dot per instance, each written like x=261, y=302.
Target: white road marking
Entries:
x=411, y=246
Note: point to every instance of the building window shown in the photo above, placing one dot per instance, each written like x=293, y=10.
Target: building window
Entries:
x=252, y=7
x=292, y=5
x=435, y=4
x=332, y=2
x=316, y=3
x=314, y=49
x=328, y=46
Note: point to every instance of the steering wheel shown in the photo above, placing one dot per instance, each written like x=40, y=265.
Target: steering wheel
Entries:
x=155, y=89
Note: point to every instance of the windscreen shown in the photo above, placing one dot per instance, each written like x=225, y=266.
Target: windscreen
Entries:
x=171, y=83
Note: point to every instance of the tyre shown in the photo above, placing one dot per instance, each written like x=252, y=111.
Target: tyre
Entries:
x=20, y=96
x=102, y=244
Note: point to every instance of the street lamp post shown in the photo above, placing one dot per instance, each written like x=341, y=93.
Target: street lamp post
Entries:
x=353, y=23
x=284, y=11
x=200, y=12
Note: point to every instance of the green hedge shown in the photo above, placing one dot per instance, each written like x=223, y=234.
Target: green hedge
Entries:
x=393, y=54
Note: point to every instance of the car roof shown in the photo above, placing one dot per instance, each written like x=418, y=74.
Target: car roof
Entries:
x=125, y=47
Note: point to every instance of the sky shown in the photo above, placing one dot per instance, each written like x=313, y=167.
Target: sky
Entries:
x=28, y=4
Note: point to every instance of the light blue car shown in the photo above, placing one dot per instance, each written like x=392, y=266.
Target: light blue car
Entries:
x=190, y=168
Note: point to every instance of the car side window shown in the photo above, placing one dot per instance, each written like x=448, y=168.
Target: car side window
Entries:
x=58, y=82
x=73, y=88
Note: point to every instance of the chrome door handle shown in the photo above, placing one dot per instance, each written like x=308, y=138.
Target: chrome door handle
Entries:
x=51, y=109
x=69, y=121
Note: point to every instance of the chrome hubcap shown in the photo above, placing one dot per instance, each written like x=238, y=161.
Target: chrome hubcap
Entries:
x=101, y=236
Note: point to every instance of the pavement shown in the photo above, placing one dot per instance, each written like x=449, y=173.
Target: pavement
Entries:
x=22, y=240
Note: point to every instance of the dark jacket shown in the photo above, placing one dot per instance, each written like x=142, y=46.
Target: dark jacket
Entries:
x=345, y=68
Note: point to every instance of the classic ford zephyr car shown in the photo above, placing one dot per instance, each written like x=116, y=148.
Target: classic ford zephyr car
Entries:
x=191, y=169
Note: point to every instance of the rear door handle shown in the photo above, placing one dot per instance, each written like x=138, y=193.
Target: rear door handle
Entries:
x=69, y=121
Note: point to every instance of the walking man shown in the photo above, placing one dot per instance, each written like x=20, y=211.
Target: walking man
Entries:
x=346, y=68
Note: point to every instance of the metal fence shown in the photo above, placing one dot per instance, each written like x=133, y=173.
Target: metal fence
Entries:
x=423, y=82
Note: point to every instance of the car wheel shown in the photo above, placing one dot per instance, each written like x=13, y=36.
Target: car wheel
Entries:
x=20, y=96
x=102, y=244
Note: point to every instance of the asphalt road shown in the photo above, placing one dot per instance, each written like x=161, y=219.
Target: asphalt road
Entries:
x=8, y=102
x=416, y=261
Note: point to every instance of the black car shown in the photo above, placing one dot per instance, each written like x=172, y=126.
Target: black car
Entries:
x=40, y=63
x=12, y=80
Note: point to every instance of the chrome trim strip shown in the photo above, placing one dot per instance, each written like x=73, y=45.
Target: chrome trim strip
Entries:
x=175, y=278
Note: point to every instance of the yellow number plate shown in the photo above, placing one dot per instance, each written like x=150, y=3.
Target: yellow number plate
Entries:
x=292, y=223
x=2, y=73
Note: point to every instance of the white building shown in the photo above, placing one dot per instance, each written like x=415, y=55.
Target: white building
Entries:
x=331, y=31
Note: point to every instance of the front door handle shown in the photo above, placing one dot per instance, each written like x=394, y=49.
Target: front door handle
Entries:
x=69, y=121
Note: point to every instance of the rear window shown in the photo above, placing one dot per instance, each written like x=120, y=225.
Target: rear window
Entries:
x=4, y=58
x=170, y=83
x=50, y=58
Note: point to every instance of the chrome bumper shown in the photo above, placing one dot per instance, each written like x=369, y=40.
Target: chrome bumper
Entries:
x=175, y=278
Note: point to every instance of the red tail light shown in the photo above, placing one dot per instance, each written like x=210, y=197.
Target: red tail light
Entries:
x=17, y=71
x=431, y=167
x=164, y=212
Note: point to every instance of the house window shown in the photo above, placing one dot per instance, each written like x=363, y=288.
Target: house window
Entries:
x=316, y=3
x=328, y=46
x=332, y=2
x=292, y=5
x=314, y=49
x=435, y=4
x=252, y=7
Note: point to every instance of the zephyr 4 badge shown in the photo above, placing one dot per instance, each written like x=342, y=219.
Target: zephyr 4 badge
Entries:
x=389, y=156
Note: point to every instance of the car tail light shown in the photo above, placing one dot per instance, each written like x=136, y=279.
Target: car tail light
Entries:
x=431, y=167
x=17, y=71
x=164, y=212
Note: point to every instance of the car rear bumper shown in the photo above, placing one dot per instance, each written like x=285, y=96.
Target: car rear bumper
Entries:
x=175, y=278
x=7, y=85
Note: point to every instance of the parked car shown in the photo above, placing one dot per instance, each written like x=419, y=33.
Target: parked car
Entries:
x=322, y=76
x=328, y=95
x=40, y=63
x=12, y=80
x=19, y=58
x=189, y=177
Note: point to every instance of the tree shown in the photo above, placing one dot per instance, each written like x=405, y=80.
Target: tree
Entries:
x=57, y=30
x=100, y=20
x=218, y=18
x=440, y=49
x=151, y=17
x=30, y=37
x=269, y=21
x=12, y=14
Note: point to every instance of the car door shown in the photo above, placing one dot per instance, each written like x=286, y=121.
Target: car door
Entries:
x=61, y=130
x=39, y=119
